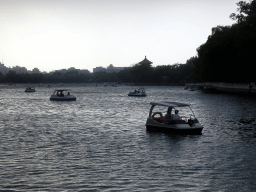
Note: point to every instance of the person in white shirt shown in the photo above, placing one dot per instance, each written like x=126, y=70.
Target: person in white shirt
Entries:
x=176, y=117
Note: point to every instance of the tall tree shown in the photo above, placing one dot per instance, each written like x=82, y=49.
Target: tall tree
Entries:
x=229, y=51
x=245, y=9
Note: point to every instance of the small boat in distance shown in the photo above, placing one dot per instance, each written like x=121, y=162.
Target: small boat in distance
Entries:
x=62, y=95
x=30, y=89
x=138, y=92
x=173, y=122
x=191, y=88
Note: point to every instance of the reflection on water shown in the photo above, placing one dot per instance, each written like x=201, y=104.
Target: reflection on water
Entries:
x=100, y=142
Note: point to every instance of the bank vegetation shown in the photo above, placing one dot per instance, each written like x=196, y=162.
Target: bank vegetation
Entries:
x=226, y=56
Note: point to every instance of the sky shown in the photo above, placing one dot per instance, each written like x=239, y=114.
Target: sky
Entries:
x=59, y=34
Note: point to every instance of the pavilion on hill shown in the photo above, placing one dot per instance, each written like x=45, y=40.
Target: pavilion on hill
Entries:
x=145, y=61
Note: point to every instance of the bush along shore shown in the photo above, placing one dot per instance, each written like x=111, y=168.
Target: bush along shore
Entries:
x=225, y=87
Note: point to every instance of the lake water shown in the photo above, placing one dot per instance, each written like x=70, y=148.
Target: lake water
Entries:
x=99, y=142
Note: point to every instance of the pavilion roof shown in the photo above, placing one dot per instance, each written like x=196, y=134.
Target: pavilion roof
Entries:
x=146, y=61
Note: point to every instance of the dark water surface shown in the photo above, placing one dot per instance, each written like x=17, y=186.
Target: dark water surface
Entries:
x=100, y=142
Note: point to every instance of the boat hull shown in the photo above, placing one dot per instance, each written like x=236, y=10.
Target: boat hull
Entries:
x=137, y=95
x=180, y=128
x=57, y=98
x=189, y=131
x=30, y=89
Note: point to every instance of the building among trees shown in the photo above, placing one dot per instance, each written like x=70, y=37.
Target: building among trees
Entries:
x=72, y=69
x=109, y=69
x=3, y=69
x=145, y=61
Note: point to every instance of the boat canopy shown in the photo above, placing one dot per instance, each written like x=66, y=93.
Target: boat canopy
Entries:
x=61, y=90
x=139, y=89
x=170, y=104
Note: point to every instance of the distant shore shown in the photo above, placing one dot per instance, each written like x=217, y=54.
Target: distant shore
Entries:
x=227, y=87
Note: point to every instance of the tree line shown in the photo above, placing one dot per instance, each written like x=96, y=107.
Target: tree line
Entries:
x=139, y=73
x=227, y=56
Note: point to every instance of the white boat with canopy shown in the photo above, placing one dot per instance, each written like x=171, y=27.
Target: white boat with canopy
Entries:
x=62, y=95
x=30, y=89
x=172, y=121
x=138, y=92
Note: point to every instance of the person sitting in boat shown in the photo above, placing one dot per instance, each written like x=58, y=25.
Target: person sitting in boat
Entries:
x=168, y=116
x=60, y=94
x=176, y=117
x=169, y=112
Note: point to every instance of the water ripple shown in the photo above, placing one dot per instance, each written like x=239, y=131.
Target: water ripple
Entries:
x=99, y=142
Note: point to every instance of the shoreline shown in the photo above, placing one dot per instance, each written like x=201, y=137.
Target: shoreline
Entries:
x=226, y=87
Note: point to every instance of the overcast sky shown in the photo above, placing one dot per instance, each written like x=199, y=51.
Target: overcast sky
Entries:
x=59, y=34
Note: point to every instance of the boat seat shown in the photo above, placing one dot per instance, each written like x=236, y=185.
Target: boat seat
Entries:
x=159, y=120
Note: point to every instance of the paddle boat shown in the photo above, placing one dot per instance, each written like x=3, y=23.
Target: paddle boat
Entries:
x=191, y=88
x=187, y=124
x=30, y=89
x=138, y=92
x=62, y=95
